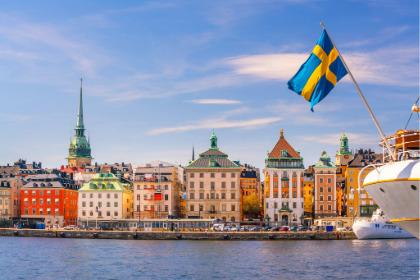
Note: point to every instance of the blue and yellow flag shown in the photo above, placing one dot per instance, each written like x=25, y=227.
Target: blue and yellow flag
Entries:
x=319, y=74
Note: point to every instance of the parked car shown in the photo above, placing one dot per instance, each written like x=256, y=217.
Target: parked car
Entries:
x=284, y=228
x=294, y=228
x=275, y=229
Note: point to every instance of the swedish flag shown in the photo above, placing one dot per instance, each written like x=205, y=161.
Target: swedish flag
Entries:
x=319, y=74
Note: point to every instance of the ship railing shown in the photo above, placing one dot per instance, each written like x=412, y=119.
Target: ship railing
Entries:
x=359, y=183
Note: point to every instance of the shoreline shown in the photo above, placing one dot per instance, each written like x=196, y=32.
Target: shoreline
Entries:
x=182, y=235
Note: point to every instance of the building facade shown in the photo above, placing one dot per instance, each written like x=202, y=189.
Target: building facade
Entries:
x=10, y=197
x=157, y=191
x=213, y=186
x=354, y=196
x=49, y=198
x=325, y=187
x=250, y=186
x=79, y=150
x=283, y=184
x=105, y=197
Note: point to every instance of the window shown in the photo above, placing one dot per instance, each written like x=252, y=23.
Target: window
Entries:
x=321, y=189
x=232, y=175
x=83, y=196
x=211, y=175
x=108, y=213
x=138, y=197
x=212, y=195
x=115, y=213
x=91, y=213
x=91, y=204
x=41, y=201
x=166, y=197
x=232, y=184
x=191, y=185
x=91, y=195
x=84, y=204
x=321, y=180
x=329, y=189
x=321, y=198
x=201, y=175
x=212, y=185
x=99, y=204
x=192, y=207
x=166, y=187
x=201, y=185
x=33, y=211
x=232, y=207
x=115, y=195
x=275, y=205
x=166, y=208
x=108, y=195
x=232, y=195
x=223, y=195
x=83, y=213
x=191, y=175
x=201, y=195
x=223, y=175
x=294, y=204
x=321, y=207
x=329, y=198
x=223, y=185
x=99, y=213
x=145, y=207
x=191, y=195
x=99, y=195
x=294, y=194
x=26, y=211
x=329, y=207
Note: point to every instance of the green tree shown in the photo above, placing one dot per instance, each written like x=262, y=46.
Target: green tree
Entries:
x=251, y=206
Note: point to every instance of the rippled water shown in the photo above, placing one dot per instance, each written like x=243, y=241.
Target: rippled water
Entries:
x=43, y=258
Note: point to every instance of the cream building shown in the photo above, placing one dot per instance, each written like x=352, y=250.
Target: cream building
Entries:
x=157, y=190
x=213, y=186
x=105, y=197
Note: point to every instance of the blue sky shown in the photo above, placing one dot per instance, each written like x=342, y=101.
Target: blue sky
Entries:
x=160, y=75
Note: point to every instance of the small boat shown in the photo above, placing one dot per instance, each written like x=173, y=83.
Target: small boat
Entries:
x=378, y=227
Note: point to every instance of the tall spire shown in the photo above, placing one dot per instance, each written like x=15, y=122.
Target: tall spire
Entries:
x=193, y=154
x=80, y=124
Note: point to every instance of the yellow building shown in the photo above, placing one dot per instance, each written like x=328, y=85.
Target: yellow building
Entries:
x=308, y=196
x=250, y=193
x=367, y=205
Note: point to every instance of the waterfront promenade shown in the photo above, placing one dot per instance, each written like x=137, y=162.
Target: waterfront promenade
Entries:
x=183, y=235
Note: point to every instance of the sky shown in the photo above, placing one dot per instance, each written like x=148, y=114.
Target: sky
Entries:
x=159, y=76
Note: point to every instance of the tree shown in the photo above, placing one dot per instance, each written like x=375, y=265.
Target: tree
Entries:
x=251, y=206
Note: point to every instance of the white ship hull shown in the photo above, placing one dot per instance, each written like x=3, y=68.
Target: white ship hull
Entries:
x=395, y=188
x=365, y=229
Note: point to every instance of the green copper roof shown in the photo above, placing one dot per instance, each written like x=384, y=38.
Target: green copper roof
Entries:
x=104, y=182
x=79, y=144
x=324, y=161
x=213, y=157
x=344, y=145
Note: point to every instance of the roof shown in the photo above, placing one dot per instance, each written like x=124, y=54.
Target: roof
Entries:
x=324, y=161
x=283, y=145
x=213, y=159
x=104, y=182
x=365, y=157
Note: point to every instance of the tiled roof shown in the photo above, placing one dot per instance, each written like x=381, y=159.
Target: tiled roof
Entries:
x=283, y=145
x=365, y=157
x=213, y=152
x=213, y=158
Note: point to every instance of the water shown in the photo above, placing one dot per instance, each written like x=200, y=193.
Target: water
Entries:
x=43, y=258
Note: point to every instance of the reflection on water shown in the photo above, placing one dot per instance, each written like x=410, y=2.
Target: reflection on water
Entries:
x=39, y=258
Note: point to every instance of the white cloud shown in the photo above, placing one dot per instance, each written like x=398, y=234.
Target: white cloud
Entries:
x=216, y=123
x=215, y=101
x=388, y=66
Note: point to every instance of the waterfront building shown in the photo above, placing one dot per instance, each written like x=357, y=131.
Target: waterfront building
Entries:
x=79, y=150
x=325, y=187
x=49, y=198
x=250, y=186
x=157, y=190
x=361, y=159
x=308, y=195
x=343, y=155
x=283, y=184
x=105, y=197
x=9, y=197
x=342, y=159
x=213, y=186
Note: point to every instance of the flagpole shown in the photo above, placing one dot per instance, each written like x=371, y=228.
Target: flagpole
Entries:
x=362, y=96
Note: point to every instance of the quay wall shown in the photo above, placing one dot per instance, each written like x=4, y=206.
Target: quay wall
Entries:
x=141, y=235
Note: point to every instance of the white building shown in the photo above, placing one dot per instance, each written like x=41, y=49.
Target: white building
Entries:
x=283, y=189
x=105, y=197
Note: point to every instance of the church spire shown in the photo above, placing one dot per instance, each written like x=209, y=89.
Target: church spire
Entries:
x=193, y=154
x=80, y=124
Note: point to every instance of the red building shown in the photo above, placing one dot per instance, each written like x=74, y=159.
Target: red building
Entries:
x=50, y=199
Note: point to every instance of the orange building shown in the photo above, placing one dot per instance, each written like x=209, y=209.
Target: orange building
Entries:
x=325, y=187
x=50, y=199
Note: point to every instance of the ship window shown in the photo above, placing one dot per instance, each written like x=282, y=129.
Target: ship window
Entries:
x=382, y=190
x=413, y=187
